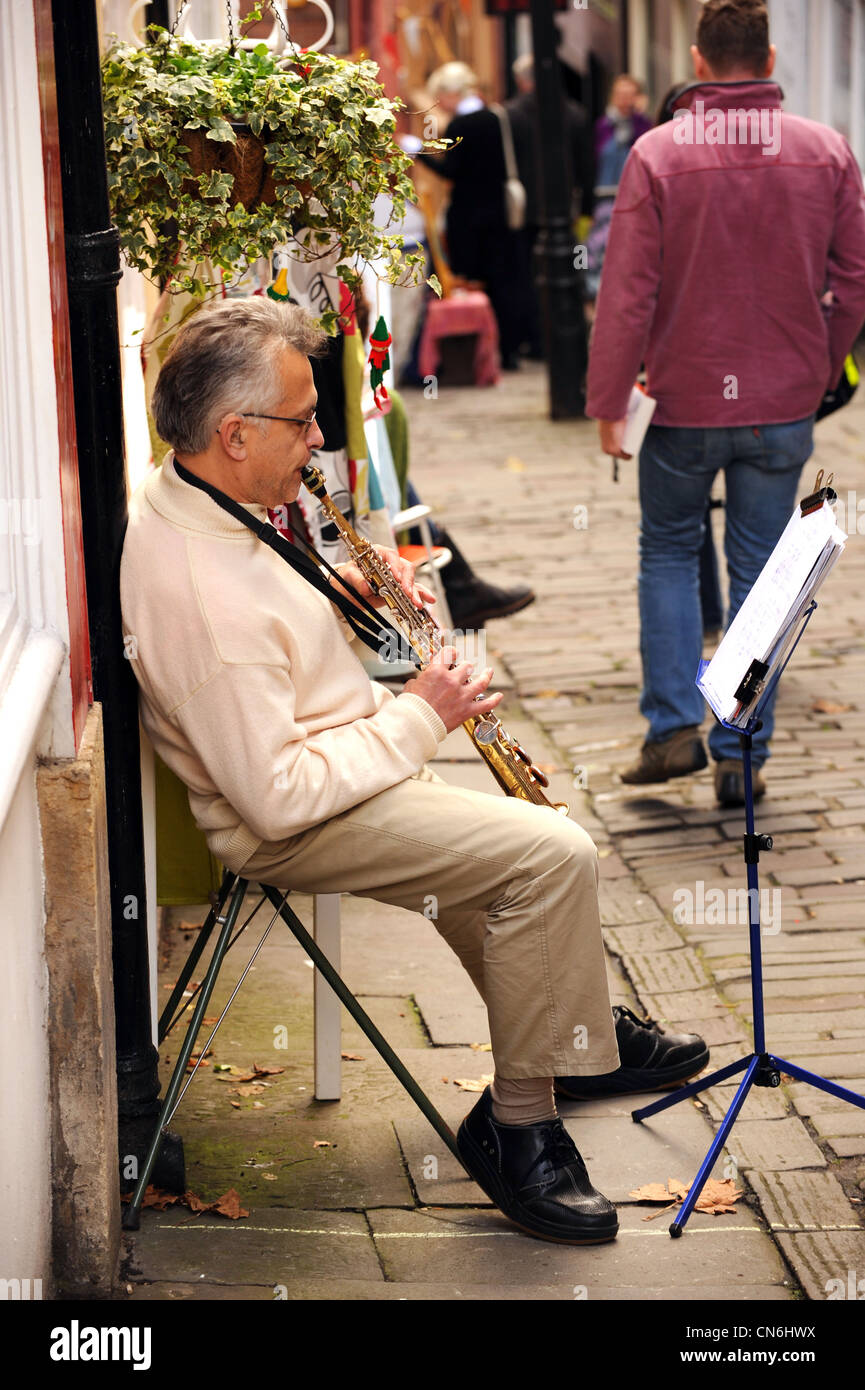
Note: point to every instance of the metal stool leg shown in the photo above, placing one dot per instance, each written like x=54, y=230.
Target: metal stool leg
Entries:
x=132, y=1213
x=213, y=916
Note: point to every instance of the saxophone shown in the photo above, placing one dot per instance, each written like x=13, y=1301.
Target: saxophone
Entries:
x=510, y=764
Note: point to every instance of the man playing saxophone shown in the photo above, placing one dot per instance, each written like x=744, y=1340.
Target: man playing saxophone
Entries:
x=304, y=774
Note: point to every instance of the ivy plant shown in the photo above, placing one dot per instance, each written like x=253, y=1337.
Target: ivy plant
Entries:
x=186, y=126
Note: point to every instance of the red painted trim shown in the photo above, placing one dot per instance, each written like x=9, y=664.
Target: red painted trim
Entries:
x=70, y=499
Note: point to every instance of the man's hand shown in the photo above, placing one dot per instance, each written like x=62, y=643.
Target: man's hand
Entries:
x=403, y=570
x=454, y=694
x=612, y=432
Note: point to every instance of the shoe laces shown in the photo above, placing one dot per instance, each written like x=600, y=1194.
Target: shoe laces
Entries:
x=558, y=1149
x=641, y=1022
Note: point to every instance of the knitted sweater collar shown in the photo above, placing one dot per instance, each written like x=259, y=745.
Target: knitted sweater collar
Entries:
x=190, y=508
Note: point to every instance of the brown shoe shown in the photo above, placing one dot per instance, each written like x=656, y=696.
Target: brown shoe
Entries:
x=730, y=782
x=676, y=756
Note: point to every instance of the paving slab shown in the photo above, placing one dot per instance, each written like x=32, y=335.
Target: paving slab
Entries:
x=827, y=1263
x=468, y=1246
x=264, y=1249
x=779, y=1144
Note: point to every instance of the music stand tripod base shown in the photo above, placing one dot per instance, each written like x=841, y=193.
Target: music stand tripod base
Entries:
x=761, y=1068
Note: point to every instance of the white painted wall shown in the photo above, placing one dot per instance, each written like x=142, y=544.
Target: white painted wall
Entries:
x=35, y=693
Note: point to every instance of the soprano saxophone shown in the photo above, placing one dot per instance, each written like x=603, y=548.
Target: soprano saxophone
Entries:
x=509, y=763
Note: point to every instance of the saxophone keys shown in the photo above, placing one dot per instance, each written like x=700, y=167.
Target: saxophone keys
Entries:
x=540, y=777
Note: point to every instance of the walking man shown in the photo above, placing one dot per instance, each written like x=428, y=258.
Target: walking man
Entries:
x=736, y=272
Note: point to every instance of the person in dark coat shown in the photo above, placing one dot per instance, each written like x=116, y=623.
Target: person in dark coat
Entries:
x=481, y=246
x=522, y=113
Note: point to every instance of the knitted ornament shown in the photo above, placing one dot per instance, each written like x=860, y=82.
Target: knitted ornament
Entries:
x=279, y=289
x=379, y=360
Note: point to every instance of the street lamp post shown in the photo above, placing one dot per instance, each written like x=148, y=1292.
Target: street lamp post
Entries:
x=557, y=279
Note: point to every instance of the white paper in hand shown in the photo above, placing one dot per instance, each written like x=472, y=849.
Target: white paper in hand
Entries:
x=640, y=410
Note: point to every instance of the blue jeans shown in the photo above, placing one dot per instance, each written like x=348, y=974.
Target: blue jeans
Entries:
x=762, y=465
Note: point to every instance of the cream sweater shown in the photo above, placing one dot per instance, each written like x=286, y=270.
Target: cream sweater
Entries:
x=249, y=689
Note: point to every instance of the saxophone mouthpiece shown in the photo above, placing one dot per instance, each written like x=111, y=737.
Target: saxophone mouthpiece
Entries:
x=313, y=479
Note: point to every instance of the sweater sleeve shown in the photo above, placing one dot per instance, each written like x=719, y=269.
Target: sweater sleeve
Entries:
x=845, y=268
x=629, y=291
x=282, y=780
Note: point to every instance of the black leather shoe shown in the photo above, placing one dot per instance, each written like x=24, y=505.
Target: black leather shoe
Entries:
x=651, y=1060
x=536, y=1177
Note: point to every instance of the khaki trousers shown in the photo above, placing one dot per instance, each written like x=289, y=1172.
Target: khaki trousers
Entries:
x=511, y=887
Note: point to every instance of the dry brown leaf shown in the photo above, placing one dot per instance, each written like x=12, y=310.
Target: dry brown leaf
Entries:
x=229, y=1205
x=352, y=1056
x=235, y=1104
x=717, y=1197
x=652, y=1192
x=269, y=1177
x=266, y=1071
x=323, y=1144
x=481, y=1047
x=253, y=1088
x=472, y=1083
x=829, y=707
x=189, y=926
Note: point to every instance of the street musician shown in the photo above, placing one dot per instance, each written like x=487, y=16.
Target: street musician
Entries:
x=304, y=774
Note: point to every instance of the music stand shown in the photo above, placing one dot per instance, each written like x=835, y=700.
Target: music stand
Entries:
x=761, y=1068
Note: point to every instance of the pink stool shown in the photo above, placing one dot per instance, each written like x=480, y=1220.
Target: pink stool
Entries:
x=464, y=312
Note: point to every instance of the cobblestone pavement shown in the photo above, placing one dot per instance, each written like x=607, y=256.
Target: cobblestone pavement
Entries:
x=359, y=1199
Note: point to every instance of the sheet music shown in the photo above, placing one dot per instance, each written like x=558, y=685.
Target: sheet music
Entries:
x=765, y=624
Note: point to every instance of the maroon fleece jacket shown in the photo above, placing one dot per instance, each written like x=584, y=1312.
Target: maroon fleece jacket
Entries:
x=732, y=221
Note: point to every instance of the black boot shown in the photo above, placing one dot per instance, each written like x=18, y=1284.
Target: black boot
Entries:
x=470, y=599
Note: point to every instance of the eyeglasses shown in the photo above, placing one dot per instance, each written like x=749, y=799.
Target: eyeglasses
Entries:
x=289, y=419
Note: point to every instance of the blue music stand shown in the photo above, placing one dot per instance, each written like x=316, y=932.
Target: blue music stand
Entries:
x=761, y=1068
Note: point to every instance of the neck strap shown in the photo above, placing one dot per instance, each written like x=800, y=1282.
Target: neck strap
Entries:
x=361, y=616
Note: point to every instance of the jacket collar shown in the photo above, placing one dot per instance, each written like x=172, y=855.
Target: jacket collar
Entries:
x=752, y=91
x=190, y=508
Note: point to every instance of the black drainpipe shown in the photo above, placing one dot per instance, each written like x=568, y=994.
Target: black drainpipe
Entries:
x=93, y=271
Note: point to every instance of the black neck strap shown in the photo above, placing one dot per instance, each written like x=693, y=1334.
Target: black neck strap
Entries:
x=362, y=618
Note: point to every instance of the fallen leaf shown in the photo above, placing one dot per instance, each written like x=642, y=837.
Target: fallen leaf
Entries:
x=229, y=1205
x=256, y=1072
x=651, y=1192
x=829, y=707
x=189, y=926
x=269, y=1177
x=717, y=1197
x=481, y=1047
x=352, y=1057
x=323, y=1144
x=547, y=694
x=253, y=1088
x=222, y=1066
x=471, y=1083
x=235, y=1104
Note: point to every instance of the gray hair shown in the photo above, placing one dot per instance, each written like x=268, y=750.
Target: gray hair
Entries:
x=455, y=77
x=523, y=68
x=224, y=359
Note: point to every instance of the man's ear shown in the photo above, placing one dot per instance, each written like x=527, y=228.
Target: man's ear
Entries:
x=701, y=67
x=232, y=435
x=770, y=62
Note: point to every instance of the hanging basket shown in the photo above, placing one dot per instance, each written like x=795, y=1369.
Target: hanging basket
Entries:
x=217, y=157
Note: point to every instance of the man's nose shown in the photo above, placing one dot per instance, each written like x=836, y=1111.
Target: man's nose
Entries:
x=315, y=438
